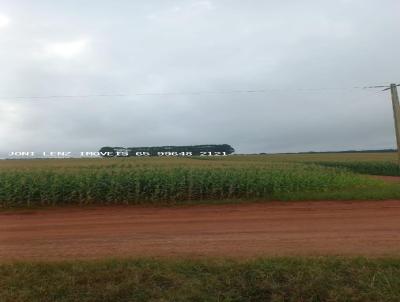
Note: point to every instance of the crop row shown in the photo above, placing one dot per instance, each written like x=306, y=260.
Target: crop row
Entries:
x=388, y=168
x=153, y=185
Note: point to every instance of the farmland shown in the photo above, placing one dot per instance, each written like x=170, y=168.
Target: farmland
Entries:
x=201, y=228
x=26, y=183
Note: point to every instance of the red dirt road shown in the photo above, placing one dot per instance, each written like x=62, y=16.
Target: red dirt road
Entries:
x=369, y=228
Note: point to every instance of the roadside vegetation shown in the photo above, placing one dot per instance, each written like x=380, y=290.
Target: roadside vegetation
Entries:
x=276, y=279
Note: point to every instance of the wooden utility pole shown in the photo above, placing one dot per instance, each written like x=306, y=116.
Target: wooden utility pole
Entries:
x=396, y=113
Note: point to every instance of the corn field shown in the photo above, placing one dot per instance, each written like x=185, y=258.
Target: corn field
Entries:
x=387, y=168
x=141, y=183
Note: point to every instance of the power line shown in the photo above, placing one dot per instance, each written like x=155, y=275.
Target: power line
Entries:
x=387, y=88
x=249, y=91
x=62, y=96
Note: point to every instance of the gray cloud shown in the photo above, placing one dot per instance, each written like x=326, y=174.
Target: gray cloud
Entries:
x=100, y=47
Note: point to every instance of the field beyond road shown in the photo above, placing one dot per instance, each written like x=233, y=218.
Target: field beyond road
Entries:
x=161, y=181
x=365, y=228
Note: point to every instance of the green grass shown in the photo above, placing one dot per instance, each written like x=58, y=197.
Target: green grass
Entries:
x=334, y=157
x=276, y=279
x=387, y=168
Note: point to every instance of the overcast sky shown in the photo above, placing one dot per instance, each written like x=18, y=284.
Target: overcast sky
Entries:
x=91, y=47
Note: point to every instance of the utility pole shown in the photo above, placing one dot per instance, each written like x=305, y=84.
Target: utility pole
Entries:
x=396, y=113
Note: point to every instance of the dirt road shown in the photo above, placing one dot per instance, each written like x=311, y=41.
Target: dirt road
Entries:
x=278, y=228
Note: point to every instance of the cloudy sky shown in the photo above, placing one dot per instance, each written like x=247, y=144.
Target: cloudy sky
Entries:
x=196, y=54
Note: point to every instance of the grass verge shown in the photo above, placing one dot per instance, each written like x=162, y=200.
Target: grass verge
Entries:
x=275, y=279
